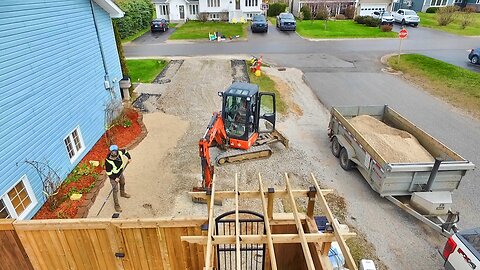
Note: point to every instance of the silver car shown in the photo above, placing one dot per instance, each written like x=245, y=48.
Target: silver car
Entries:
x=385, y=16
x=406, y=16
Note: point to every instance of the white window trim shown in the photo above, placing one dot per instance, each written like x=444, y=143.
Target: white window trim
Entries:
x=446, y=3
x=10, y=208
x=79, y=152
x=478, y=2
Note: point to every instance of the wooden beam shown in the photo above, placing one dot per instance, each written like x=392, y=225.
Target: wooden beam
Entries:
x=336, y=229
x=298, y=223
x=263, y=239
x=271, y=195
x=311, y=201
x=281, y=194
x=6, y=224
x=209, y=253
x=271, y=250
x=237, y=227
x=322, y=257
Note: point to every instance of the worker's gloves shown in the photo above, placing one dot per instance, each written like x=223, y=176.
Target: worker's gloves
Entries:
x=117, y=179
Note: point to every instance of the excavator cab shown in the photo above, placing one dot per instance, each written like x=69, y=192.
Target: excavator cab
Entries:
x=247, y=113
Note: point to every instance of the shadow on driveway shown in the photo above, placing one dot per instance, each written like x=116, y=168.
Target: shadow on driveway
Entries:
x=153, y=38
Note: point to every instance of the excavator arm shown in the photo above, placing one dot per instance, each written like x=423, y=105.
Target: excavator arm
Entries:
x=215, y=135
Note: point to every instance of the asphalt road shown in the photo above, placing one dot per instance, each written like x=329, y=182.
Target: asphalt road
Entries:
x=348, y=72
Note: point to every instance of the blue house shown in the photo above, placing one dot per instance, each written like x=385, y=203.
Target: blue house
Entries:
x=422, y=5
x=59, y=66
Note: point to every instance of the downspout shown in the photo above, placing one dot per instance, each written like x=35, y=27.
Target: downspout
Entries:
x=106, y=77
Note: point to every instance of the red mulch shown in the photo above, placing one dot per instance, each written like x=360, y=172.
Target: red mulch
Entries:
x=122, y=136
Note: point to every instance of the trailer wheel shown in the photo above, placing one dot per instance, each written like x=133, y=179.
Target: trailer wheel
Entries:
x=345, y=162
x=336, y=147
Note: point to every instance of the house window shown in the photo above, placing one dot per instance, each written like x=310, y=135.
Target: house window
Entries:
x=478, y=2
x=458, y=1
x=251, y=3
x=437, y=3
x=213, y=3
x=193, y=9
x=163, y=10
x=18, y=201
x=74, y=144
x=213, y=16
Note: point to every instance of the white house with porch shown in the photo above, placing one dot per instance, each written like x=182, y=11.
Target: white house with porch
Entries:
x=231, y=10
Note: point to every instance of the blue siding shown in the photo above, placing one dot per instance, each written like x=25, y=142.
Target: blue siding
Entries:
x=51, y=81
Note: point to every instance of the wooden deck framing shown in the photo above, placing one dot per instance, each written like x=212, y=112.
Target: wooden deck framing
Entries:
x=321, y=242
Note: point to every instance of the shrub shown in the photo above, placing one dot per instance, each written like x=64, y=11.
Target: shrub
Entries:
x=223, y=16
x=446, y=15
x=322, y=13
x=306, y=13
x=466, y=17
x=138, y=15
x=372, y=22
x=360, y=19
x=203, y=16
x=340, y=17
x=276, y=8
x=432, y=10
x=350, y=12
x=386, y=28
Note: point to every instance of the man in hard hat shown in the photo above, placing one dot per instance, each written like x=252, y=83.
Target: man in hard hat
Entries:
x=115, y=164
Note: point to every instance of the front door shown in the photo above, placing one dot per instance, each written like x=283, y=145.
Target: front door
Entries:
x=181, y=10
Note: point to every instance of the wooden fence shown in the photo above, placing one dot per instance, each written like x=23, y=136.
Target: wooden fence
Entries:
x=100, y=244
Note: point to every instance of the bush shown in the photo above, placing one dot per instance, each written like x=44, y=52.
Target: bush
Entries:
x=432, y=10
x=360, y=19
x=223, y=16
x=202, y=16
x=446, y=15
x=306, y=13
x=466, y=17
x=350, y=12
x=322, y=13
x=340, y=17
x=276, y=8
x=138, y=15
x=386, y=27
x=372, y=22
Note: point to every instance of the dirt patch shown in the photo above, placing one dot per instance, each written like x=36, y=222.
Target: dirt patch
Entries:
x=239, y=71
x=147, y=103
x=286, y=93
x=168, y=72
x=394, y=145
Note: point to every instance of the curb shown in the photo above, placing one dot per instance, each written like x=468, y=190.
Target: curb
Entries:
x=387, y=68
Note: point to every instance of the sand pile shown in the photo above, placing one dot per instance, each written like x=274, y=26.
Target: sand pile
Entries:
x=394, y=145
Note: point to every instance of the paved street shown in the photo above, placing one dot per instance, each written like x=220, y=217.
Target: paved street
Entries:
x=348, y=72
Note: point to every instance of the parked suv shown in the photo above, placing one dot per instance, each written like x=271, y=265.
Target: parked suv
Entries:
x=259, y=24
x=406, y=16
x=159, y=25
x=385, y=16
x=474, y=56
x=286, y=21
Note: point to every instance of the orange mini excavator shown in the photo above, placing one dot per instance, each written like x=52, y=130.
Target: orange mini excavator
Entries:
x=242, y=131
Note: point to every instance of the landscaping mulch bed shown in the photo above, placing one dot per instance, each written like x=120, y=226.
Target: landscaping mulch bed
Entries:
x=89, y=182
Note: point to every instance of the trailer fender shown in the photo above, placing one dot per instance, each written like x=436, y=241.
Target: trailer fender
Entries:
x=345, y=144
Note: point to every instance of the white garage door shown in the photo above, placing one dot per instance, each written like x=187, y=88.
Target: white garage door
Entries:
x=367, y=9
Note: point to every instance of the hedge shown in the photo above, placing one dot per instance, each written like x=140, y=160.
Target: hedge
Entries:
x=138, y=15
x=276, y=8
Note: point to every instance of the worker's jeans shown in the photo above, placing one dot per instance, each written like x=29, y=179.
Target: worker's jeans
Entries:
x=115, y=188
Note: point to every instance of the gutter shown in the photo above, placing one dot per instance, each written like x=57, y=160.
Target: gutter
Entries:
x=102, y=53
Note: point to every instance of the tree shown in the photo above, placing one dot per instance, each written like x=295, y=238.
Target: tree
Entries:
x=467, y=17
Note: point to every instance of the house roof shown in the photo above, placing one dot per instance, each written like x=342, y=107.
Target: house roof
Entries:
x=111, y=8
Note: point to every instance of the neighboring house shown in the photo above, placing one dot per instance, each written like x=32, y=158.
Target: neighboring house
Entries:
x=335, y=7
x=422, y=5
x=468, y=3
x=182, y=10
x=367, y=7
x=57, y=59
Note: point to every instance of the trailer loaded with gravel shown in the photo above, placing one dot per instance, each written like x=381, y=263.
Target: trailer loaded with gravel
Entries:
x=400, y=161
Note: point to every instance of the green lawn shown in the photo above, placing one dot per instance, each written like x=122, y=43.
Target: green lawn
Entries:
x=200, y=30
x=459, y=86
x=137, y=35
x=145, y=71
x=268, y=85
x=429, y=20
x=339, y=29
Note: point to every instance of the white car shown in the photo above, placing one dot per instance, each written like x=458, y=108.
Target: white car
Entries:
x=406, y=16
x=385, y=16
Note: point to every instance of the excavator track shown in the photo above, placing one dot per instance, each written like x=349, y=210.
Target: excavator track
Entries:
x=237, y=155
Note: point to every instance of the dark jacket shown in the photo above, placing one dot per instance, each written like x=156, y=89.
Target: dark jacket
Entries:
x=116, y=169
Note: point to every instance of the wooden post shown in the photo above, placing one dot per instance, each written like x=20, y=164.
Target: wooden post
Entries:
x=237, y=227
x=271, y=250
x=298, y=223
x=311, y=201
x=209, y=252
x=336, y=229
x=271, y=194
